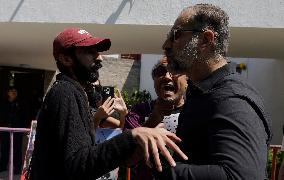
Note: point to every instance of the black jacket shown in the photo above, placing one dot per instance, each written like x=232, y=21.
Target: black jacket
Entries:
x=65, y=143
x=224, y=130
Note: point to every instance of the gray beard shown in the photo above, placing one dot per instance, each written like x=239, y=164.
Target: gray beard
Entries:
x=183, y=60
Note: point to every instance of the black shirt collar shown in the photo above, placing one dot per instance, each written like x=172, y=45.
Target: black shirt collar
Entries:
x=207, y=83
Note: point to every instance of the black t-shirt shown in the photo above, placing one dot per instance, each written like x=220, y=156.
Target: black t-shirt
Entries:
x=224, y=130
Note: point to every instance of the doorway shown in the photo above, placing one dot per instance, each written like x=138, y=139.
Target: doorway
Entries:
x=29, y=84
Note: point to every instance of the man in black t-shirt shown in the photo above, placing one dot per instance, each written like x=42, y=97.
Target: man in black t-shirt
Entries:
x=223, y=125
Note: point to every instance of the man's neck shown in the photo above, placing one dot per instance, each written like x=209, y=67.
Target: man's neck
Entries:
x=203, y=68
x=72, y=75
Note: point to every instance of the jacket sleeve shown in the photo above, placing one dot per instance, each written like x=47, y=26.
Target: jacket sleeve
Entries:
x=136, y=116
x=237, y=146
x=82, y=159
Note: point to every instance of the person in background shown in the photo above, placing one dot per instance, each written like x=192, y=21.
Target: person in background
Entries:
x=14, y=115
x=170, y=90
x=64, y=146
x=224, y=128
x=102, y=111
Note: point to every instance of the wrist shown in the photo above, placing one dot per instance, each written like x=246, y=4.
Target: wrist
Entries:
x=124, y=113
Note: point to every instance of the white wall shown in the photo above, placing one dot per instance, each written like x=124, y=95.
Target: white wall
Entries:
x=249, y=13
x=146, y=81
x=266, y=75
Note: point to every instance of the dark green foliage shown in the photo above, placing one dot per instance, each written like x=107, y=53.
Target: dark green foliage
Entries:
x=279, y=158
x=135, y=97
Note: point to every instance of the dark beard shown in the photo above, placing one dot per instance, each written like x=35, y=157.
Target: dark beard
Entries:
x=172, y=101
x=86, y=74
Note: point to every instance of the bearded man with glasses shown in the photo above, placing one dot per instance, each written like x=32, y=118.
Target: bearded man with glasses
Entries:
x=223, y=126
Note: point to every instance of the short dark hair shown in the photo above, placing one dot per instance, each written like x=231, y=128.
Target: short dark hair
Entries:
x=214, y=18
x=68, y=52
x=156, y=67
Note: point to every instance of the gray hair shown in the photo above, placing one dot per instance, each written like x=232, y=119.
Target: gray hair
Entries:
x=208, y=16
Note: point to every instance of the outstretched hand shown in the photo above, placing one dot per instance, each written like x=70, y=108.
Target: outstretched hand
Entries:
x=152, y=140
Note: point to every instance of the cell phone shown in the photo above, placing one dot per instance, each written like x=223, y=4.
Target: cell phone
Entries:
x=107, y=91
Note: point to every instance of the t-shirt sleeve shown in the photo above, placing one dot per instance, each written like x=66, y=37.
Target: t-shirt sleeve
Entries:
x=136, y=116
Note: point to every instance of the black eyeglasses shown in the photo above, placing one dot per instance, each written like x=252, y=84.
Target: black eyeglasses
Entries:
x=174, y=34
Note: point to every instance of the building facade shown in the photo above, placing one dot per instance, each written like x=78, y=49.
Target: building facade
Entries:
x=28, y=27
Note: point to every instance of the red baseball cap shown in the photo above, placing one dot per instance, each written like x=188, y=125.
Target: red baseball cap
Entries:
x=76, y=37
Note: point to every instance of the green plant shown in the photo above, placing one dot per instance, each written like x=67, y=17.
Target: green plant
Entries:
x=135, y=97
x=279, y=158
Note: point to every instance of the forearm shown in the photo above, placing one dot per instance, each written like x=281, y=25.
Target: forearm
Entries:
x=111, y=122
x=133, y=120
x=154, y=120
x=92, y=162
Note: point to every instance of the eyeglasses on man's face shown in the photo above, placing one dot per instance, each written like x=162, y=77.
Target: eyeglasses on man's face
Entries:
x=174, y=34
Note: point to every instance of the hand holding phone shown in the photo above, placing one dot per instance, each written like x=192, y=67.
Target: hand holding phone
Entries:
x=107, y=91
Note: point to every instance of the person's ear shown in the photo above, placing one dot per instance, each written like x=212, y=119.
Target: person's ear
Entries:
x=208, y=38
x=65, y=60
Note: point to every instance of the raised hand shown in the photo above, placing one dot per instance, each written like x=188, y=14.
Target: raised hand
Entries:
x=119, y=105
x=152, y=140
x=104, y=111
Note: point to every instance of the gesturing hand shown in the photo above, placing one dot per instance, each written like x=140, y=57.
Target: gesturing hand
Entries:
x=151, y=140
x=104, y=111
x=119, y=105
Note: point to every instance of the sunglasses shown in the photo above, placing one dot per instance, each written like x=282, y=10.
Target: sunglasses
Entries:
x=162, y=71
x=174, y=34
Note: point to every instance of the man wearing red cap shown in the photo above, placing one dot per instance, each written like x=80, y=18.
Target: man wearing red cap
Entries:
x=65, y=144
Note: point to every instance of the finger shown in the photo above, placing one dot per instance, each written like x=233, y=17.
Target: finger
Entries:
x=155, y=154
x=171, y=135
x=145, y=147
x=109, y=109
x=160, y=125
x=165, y=152
x=118, y=94
x=175, y=148
x=111, y=112
x=110, y=102
x=106, y=101
x=149, y=164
